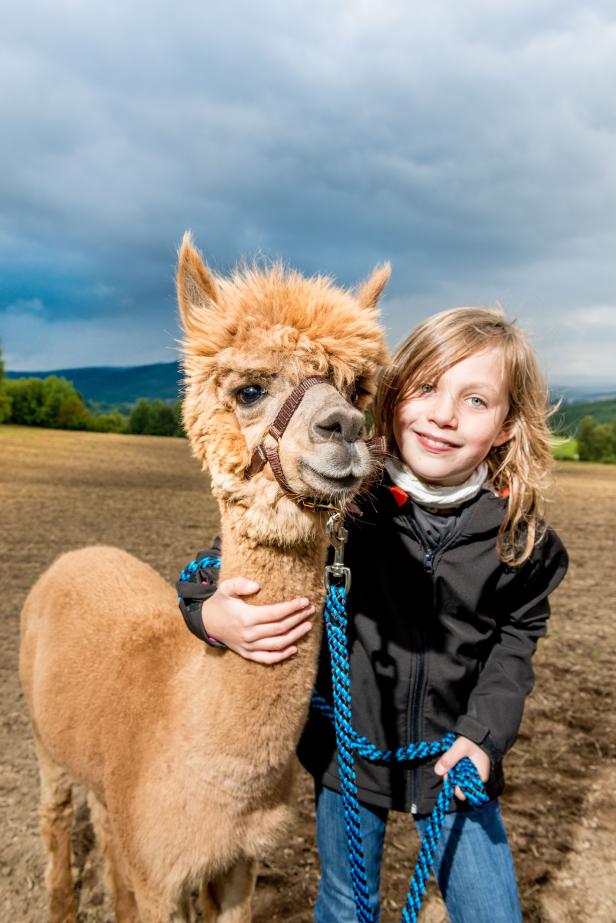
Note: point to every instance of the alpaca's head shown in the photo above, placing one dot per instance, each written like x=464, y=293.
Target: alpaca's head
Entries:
x=249, y=339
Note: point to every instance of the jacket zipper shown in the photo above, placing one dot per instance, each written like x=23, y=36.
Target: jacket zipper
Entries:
x=430, y=556
x=417, y=686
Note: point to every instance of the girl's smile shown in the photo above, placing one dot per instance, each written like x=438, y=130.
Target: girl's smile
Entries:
x=434, y=444
x=445, y=429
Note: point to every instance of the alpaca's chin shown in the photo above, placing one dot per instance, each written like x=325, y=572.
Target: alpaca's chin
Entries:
x=331, y=485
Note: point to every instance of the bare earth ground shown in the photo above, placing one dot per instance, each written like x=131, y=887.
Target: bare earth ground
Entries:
x=61, y=490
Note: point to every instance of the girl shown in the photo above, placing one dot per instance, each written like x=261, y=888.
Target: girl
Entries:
x=452, y=567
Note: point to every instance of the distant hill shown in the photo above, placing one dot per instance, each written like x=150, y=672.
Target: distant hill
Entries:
x=577, y=393
x=109, y=386
x=567, y=418
x=104, y=387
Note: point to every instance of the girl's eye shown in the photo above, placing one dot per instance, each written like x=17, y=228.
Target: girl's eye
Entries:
x=425, y=388
x=477, y=401
x=249, y=394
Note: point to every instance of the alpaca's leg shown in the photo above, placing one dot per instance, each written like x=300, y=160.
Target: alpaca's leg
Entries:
x=228, y=899
x=188, y=909
x=209, y=905
x=154, y=908
x=116, y=875
x=56, y=813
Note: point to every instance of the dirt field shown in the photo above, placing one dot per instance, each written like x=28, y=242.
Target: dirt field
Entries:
x=60, y=490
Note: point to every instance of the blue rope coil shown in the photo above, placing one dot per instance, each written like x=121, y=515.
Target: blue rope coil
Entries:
x=350, y=743
x=190, y=569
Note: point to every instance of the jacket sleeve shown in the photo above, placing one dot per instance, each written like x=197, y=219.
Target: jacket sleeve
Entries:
x=197, y=583
x=495, y=707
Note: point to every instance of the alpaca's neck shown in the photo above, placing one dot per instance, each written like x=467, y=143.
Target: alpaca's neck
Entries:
x=282, y=573
x=269, y=702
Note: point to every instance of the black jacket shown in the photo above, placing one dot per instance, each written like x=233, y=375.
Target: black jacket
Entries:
x=440, y=639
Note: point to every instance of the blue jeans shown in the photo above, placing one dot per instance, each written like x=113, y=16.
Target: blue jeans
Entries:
x=473, y=864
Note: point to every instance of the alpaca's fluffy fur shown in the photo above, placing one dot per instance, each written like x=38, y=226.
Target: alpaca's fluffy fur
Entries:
x=187, y=751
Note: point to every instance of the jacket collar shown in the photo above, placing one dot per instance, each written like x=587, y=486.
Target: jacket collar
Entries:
x=486, y=509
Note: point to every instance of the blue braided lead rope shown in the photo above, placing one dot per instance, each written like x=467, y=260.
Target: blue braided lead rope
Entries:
x=207, y=561
x=349, y=742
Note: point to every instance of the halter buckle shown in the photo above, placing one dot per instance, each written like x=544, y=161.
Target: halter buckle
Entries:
x=338, y=536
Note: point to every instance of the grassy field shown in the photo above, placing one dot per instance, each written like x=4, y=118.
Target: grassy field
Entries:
x=565, y=450
x=61, y=490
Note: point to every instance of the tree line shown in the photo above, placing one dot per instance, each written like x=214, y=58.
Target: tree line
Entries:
x=54, y=403
x=596, y=441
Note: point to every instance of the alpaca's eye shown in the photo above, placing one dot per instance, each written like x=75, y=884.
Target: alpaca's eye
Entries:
x=249, y=394
x=358, y=391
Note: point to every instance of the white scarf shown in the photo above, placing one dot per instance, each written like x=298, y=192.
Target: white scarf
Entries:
x=428, y=495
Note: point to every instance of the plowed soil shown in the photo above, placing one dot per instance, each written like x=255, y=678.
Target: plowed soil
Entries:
x=61, y=490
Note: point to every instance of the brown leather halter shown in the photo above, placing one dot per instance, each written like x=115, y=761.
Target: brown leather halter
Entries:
x=264, y=454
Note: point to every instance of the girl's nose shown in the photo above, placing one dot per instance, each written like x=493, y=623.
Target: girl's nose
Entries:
x=442, y=410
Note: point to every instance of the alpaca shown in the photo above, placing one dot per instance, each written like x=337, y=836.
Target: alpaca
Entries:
x=187, y=752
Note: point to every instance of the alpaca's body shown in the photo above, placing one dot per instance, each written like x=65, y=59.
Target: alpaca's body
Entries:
x=187, y=752
x=175, y=825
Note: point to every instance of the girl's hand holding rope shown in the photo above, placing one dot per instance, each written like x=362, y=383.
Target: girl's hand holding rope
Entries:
x=461, y=748
x=264, y=634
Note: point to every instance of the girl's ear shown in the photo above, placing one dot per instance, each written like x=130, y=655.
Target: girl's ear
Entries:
x=506, y=433
x=197, y=290
x=369, y=292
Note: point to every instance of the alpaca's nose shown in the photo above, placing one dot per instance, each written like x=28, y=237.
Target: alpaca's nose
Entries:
x=340, y=424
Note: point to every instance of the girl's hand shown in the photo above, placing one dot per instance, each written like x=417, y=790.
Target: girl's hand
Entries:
x=464, y=747
x=265, y=634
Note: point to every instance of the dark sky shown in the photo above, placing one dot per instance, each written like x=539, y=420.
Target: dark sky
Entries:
x=473, y=144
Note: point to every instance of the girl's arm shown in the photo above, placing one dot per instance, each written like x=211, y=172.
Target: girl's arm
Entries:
x=495, y=706
x=489, y=726
x=218, y=615
x=196, y=584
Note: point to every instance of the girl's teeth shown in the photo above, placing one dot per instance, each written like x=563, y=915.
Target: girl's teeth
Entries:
x=435, y=442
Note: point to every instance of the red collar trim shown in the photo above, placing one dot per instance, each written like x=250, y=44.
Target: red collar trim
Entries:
x=400, y=496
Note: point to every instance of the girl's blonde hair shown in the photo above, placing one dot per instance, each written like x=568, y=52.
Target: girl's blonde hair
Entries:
x=521, y=467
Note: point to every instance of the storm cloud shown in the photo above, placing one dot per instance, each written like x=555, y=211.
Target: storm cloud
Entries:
x=473, y=145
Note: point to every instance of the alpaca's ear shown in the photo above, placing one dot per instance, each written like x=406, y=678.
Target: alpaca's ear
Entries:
x=369, y=292
x=197, y=290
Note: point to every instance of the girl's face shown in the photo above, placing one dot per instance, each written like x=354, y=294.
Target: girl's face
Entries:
x=446, y=428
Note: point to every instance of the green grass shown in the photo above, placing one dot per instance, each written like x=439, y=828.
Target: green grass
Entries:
x=565, y=450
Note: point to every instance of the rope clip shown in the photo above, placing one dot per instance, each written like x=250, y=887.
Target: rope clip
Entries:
x=337, y=535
